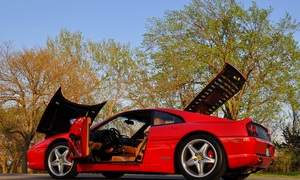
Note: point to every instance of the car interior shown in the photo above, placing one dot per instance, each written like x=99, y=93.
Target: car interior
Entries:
x=122, y=139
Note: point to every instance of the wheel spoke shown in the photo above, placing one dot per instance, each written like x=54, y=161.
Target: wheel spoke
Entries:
x=61, y=169
x=209, y=160
x=65, y=154
x=57, y=154
x=55, y=162
x=204, y=148
x=192, y=149
x=68, y=163
x=190, y=162
x=200, y=167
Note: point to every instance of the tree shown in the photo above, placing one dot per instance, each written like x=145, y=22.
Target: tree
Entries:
x=291, y=132
x=29, y=78
x=291, y=127
x=112, y=62
x=187, y=46
x=78, y=75
x=116, y=68
x=11, y=145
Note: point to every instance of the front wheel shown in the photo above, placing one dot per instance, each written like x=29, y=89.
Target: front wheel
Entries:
x=112, y=175
x=200, y=157
x=58, y=162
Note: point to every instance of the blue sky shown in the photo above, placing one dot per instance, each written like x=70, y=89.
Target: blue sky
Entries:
x=29, y=23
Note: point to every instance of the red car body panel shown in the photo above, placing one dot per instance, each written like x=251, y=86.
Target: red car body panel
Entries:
x=36, y=154
x=241, y=150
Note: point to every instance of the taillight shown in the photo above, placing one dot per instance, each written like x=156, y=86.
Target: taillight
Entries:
x=258, y=131
x=251, y=128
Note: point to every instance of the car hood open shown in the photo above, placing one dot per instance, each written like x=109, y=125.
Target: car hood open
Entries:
x=60, y=111
x=223, y=87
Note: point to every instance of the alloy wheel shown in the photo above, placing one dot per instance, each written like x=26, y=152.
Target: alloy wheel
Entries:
x=199, y=158
x=58, y=161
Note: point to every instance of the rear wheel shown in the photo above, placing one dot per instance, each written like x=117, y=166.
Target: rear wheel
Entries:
x=112, y=175
x=201, y=157
x=58, y=162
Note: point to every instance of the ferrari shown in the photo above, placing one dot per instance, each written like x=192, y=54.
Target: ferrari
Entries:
x=189, y=141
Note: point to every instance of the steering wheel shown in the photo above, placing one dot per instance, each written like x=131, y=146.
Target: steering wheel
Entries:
x=116, y=132
x=115, y=136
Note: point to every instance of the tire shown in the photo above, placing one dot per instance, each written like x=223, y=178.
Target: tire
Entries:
x=200, y=157
x=112, y=175
x=236, y=177
x=57, y=163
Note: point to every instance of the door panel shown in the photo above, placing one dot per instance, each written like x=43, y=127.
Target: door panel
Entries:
x=79, y=137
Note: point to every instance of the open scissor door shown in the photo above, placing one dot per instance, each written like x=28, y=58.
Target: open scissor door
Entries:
x=223, y=87
x=79, y=137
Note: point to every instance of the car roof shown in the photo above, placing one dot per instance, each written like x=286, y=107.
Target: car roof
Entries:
x=186, y=115
x=193, y=117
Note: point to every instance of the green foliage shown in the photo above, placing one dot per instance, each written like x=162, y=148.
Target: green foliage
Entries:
x=187, y=46
x=72, y=50
x=115, y=68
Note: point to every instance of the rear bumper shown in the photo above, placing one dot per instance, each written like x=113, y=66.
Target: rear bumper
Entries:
x=251, y=161
x=248, y=152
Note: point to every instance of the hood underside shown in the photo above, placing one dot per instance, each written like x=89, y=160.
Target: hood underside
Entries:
x=59, y=112
x=223, y=87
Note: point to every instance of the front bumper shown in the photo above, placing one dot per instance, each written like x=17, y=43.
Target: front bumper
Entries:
x=35, y=158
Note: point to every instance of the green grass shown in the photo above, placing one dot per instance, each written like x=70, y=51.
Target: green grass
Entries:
x=292, y=175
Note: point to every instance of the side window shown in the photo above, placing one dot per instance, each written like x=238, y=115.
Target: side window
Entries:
x=126, y=126
x=161, y=118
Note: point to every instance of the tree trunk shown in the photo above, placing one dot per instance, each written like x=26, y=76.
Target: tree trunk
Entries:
x=5, y=168
x=2, y=169
x=15, y=165
x=24, y=156
x=227, y=112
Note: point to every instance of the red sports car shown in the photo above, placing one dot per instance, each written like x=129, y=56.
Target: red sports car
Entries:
x=190, y=142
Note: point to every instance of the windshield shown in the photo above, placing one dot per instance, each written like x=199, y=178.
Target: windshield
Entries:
x=126, y=126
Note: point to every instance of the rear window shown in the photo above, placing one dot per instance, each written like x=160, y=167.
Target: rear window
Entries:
x=262, y=133
x=162, y=118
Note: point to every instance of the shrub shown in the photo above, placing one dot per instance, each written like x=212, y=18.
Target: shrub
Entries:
x=285, y=162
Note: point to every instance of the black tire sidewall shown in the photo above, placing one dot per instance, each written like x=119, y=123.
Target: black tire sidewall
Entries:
x=221, y=162
x=73, y=171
